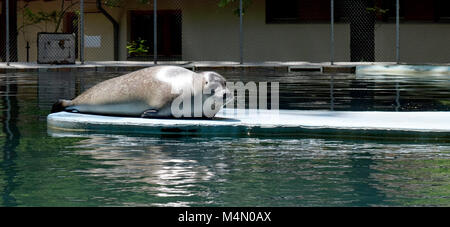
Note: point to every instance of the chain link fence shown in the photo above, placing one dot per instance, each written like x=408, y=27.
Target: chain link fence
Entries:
x=371, y=30
x=37, y=29
x=101, y=29
x=213, y=30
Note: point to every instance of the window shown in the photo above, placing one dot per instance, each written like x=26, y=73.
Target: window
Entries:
x=442, y=12
x=415, y=10
x=304, y=11
x=297, y=11
x=418, y=10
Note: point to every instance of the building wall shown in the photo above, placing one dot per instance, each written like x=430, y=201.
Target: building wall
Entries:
x=29, y=33
x=209, y=32
x=425, y=43
x=98, y=26
x=212, y=33
x=95, y=25
x=419, y=42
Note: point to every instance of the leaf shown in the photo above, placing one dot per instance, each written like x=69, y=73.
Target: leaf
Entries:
x=138, y=47
x=223, y=3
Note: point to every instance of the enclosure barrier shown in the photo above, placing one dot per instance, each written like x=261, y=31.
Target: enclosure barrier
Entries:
x=359, y=30
x=82, y=31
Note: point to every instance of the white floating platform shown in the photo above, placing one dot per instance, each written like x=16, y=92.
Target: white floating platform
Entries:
x=263, y=122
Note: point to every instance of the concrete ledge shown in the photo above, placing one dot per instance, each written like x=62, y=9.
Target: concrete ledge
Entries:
x=133, y=66
x=225, y=66
x=305, y=68
x=242, y=68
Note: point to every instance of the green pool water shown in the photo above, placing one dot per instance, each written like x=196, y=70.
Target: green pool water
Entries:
x=38, y=168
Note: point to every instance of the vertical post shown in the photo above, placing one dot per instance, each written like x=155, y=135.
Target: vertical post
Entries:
x=155, y=30
x=82, y=31
x=332, y=34
x=7, y=32
x=241, y=35
x=397, y=31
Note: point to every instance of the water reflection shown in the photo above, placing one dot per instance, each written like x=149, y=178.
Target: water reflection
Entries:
x=55, y=85
x=262, y=171
x=332, y=92
x=397, y=96
x=136, y=160
x=11, y=134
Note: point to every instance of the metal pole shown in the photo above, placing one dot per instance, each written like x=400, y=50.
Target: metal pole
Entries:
x=155, y=30
x=332, y=34
x=7, y=32
x=82, y=31
x=397, y=31
x=241, y=35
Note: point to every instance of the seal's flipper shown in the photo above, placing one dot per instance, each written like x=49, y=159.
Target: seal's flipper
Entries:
x=150, y=113
x=61, y=105
x=72, y=109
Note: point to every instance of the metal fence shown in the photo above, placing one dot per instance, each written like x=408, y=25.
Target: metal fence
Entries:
x=229, y=30
x=25, y=24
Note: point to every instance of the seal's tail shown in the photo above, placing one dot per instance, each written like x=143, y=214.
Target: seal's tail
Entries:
x=60, y=105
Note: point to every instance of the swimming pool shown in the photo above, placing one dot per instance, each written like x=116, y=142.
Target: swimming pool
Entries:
x=42, y=169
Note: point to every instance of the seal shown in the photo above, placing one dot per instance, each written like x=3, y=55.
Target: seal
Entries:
x=154, y=92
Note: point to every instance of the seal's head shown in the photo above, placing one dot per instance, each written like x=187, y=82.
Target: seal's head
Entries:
x=214, y=85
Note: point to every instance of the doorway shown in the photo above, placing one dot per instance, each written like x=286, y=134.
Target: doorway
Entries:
x=168, y=34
